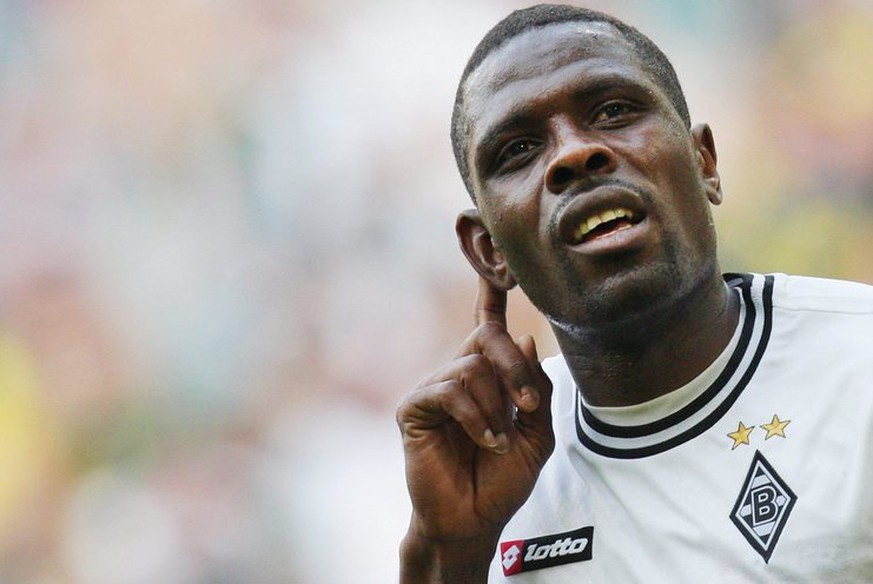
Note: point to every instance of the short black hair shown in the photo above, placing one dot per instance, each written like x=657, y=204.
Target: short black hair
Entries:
x=519, y=21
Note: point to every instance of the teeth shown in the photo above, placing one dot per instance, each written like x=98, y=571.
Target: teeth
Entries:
x=592, y=222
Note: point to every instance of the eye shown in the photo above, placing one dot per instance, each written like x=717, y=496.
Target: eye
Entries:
x=613, y=111
x=515, y=153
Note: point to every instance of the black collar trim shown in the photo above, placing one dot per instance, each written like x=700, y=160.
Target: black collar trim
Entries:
x=690, y=421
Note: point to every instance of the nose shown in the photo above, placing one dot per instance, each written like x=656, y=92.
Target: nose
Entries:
x=579, y=157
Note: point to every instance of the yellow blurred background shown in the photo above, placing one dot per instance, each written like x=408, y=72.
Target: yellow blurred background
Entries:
x=227, y=234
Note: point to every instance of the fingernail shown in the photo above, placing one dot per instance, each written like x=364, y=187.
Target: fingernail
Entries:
x=502, y=443
x=529, y=398
x=489, y=439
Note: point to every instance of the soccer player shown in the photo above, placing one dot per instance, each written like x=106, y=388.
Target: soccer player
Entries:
x=696, y=426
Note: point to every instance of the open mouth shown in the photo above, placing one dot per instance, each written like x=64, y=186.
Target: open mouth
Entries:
x=605, y=223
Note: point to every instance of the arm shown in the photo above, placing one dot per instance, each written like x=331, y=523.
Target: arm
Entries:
x=475, y=436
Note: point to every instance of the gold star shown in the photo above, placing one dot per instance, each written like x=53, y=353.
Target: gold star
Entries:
x=776, y=427
x=741, y=436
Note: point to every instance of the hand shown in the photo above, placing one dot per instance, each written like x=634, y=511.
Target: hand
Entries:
x=476, y=434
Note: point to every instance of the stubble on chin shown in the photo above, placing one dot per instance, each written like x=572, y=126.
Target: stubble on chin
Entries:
x=633, y=302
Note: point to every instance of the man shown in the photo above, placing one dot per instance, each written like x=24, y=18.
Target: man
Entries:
x=696, y=427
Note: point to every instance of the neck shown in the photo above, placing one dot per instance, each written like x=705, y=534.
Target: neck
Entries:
x=652, y=354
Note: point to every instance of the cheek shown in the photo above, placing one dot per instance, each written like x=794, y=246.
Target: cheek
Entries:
x=674, y=167
x=520, y=246
x=523, y=242
x=684, y=208
x=514, y=219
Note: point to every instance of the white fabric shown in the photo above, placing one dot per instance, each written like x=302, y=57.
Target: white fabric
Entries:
x=660, y=496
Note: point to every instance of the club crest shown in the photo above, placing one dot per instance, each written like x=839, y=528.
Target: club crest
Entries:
x=763, y=507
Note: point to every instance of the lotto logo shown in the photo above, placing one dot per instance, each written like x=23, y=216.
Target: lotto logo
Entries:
x=510, y=557
x=524, y=555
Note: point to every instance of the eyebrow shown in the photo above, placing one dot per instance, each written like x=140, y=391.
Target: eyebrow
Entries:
x=521, y=116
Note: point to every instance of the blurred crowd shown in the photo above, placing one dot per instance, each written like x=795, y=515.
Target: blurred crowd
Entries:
x=228, y=249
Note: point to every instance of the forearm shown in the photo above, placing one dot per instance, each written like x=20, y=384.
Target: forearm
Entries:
x=461, y=562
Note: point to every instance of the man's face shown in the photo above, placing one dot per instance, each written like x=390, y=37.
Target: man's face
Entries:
x=587, y=179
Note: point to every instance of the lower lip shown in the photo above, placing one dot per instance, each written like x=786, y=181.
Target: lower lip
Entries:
x=615, y=242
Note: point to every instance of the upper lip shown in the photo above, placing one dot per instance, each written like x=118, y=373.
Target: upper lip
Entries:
x=597, y=201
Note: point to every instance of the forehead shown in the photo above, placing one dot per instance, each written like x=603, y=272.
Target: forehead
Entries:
x=533, y=51
x=548, y=57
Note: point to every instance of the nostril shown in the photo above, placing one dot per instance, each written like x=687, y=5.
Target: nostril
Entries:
x=596, y=161
x=577, y=162
x=562, y=175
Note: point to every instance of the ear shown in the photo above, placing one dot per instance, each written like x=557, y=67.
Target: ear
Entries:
x=481, y=251
x=707, y=158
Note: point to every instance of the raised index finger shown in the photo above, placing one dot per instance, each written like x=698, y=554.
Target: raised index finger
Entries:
x=514, y=367
x=490, y=303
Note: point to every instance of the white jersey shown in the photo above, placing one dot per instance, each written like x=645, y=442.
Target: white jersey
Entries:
x=760, y=470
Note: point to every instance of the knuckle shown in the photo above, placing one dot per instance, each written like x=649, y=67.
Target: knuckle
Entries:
x=405, y=404
x=477, y=364
x=518, y=367
x=445, y=393
x=477, y=370
x=426, y=407
x=449, y=388
x=490, y=329
x=406, y=408
x=517, y=371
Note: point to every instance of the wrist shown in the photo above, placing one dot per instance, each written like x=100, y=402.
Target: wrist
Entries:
x=466, y=561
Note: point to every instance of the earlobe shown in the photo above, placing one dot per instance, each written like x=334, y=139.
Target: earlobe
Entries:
x=481, y=251
x=708, y=161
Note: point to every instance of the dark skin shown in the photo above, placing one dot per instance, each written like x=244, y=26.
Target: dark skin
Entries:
x=469, y=465
x=594, y=197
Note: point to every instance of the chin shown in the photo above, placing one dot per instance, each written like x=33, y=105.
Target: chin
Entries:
x=628, y=304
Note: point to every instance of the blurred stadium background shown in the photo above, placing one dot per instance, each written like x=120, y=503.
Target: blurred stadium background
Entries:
x=228, y=249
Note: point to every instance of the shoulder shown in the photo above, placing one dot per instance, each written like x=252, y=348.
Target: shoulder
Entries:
x=804, y=293
x=828, y=319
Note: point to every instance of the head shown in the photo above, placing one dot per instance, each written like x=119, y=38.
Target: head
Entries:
x=592, y=189
x=655, y=61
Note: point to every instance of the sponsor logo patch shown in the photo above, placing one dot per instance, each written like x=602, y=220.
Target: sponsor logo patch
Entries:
x=763, y=507
x=525, y=555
